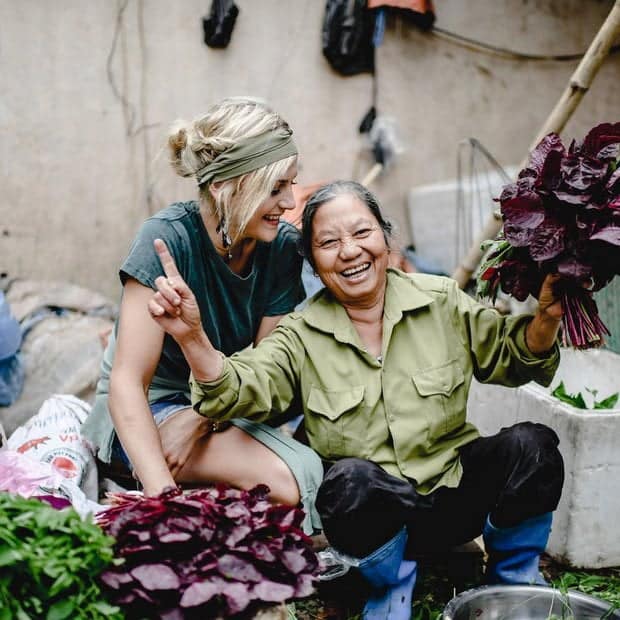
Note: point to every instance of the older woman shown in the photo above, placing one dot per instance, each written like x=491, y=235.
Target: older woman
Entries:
x=381, y=362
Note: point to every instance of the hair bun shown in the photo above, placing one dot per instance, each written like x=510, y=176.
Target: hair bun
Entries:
x=177, y=145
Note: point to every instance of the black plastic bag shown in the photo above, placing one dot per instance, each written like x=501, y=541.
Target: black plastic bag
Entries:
x=218, y=26
x=347, y=36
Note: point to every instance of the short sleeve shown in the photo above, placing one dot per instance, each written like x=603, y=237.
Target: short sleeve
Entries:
x=142, y=262
x=287, y=289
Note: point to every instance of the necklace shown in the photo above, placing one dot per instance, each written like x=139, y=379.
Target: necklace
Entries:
x=224, y=253
x=221, y=230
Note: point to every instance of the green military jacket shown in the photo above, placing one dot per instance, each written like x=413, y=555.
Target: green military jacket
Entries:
x=406, y=410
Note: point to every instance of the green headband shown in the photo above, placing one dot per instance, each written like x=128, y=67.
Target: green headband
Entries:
x=249, y=155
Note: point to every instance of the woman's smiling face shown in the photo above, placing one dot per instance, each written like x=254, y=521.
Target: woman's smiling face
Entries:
x=349, y=250
x=263, y=225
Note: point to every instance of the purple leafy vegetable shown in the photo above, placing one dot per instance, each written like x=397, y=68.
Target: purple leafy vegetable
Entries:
x=209, y=553
x=562, y=215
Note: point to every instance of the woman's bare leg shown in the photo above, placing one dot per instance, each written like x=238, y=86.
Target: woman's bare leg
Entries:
x=234, y=457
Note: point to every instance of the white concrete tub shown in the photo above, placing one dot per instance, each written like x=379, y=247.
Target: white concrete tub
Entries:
x=586, y=526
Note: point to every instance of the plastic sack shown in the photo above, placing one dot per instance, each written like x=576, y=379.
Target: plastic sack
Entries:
x=25, y=476
x=54, y=436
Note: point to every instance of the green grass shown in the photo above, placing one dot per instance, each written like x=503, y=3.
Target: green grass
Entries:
x=605, y=586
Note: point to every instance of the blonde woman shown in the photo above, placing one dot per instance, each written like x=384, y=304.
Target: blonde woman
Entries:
x=243, y=262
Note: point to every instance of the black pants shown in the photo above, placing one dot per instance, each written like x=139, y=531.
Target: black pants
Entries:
x=511, y=476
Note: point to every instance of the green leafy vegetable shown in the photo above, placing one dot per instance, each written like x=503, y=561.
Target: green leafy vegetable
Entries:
x=49, y=562
x=577, y=400
x=607, y=403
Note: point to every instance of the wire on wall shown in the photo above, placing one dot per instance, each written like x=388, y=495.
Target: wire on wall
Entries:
x=130, y=110
x=503, y=52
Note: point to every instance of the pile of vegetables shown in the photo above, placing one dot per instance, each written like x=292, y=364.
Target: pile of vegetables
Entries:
x=208, y=553
x=562, y=216
x=49, y=563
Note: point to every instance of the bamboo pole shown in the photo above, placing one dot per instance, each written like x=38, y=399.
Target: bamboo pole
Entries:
x=372, y=174
x=578, y=86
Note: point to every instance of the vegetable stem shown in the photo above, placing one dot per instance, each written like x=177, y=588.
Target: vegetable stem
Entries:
x=582, y=326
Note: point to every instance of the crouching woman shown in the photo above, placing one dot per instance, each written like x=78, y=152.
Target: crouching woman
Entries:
x=382, y=363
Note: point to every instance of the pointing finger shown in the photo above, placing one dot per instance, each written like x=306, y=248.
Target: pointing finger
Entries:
x=165, y=258
x=167, y=290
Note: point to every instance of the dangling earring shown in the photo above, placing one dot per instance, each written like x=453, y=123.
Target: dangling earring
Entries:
x=222, y=228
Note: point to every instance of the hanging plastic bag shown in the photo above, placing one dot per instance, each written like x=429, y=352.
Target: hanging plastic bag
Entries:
x=218, y=26
x=347, y=36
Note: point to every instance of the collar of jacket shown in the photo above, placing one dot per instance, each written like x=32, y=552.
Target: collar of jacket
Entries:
x=327, y=315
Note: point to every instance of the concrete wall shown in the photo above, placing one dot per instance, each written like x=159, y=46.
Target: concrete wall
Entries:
x=89, y=88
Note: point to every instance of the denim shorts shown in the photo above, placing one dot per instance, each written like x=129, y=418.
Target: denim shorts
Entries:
x=161, y=409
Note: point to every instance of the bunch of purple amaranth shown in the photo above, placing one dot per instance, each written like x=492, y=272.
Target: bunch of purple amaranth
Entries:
x=562, y=216
x=210, y=553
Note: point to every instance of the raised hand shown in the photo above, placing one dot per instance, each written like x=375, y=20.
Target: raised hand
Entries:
x=542, y=331
x=548, y=299
x=173, y=305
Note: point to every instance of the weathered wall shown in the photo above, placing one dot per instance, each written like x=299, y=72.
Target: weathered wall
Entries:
x=90, y=87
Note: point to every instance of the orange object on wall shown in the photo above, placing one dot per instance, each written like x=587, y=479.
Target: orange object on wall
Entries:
x=419, y=6
x=301, y=194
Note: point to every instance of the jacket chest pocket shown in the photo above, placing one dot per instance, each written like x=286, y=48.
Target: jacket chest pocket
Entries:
x=336, y=419
x=442, y=397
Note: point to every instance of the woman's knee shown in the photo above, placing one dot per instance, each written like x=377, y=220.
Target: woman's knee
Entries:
x=535, y=475
x=537, y=445
x=282, y=482
x=362, y=506
x=236, y=458
x=299, y=473
x=534, y=433
x=261, y=465
x=343, y=482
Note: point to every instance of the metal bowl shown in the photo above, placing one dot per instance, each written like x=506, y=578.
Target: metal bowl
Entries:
x=526, y=603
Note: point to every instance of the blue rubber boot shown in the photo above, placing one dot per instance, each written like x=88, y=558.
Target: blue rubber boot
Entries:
x=514, y=552
x=392, y=577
